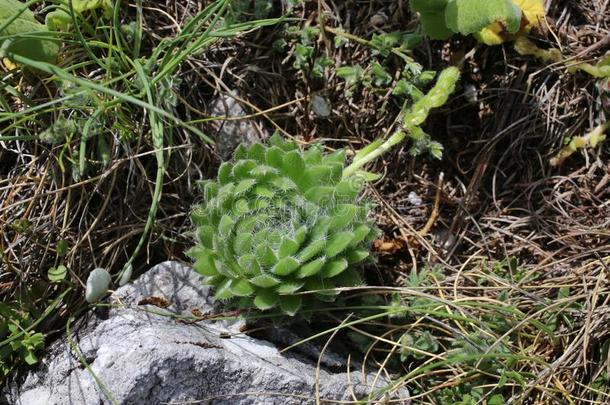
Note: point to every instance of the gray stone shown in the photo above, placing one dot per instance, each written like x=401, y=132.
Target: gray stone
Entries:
x=142, y=351
x=230, y=132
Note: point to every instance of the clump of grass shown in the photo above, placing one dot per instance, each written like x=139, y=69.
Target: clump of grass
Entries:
x=495, y=333
x=94, y=147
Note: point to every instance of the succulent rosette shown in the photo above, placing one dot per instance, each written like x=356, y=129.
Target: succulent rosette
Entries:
x=281, y=228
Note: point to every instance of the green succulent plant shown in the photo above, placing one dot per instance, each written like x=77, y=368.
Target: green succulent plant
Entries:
x=279, y=222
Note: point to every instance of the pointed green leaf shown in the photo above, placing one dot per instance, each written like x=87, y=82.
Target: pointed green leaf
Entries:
x=290, y=305
x=241, y=288
x=248, y=264
x=333, y=268
x=257, y=152
x=244, y=186
x=265, y=299
x=360, y=233
x=286, y=266
x=265, y=256
x=223, y=291
x=205, y=234
x=263, y=191
x=284, y=184
x=367, y=176
x=356, y=256
x=300, y=235
x=224, y=173
x=337, y=156
x=242, y=168
x=225, y=226
x=313, y=155
x=284, y=144
x=320, y=229
x=344, y=215
x=265, y=281
x=260, y=204
x=246, y=225
x=241, y=152
x=349, y=278
x=241, y=207
x=338, y=242
x=274, y=157
x=311, y=250
x=289, y=288
x=206, y=266
x=470, y=16
x=242, y=244
x=348, y=190
x=288, y=247
x=198, y=252
x=293, y=165
x=311, y=268
x=320, y=194
x=264, y=173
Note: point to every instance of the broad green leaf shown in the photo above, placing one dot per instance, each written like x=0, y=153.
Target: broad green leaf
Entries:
x=311, y=268
x=225, y=226
x=348, y=189
x=311, y=250
x=338, y=242
x=320, y=194
x=223, y=291
x=294, y=165
x=257, y=152
x=288, y=247
x=241, y=152
x=300, y=235
x=470, y=16
x=265, y=256
x=289, y=288
x=265, y=281
x=242, y=243
x=24, y=35
x=313, y=155
x=435, y=26
x=274, y=157
x=356, y=256
x=243, y=168
x=290, y=305
x=286, y=266
x=206, y=266
x=265, y=299
x=248, y=264
x=348, y=278
x=241, y=288
x=345, y=214
x=224, y=173
x=244, y=186
x=334, y=267
x=360, y=232
x=58, y=20
x=263, y=191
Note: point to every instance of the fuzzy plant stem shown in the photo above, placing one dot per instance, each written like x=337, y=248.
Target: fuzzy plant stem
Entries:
x=412, y=118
